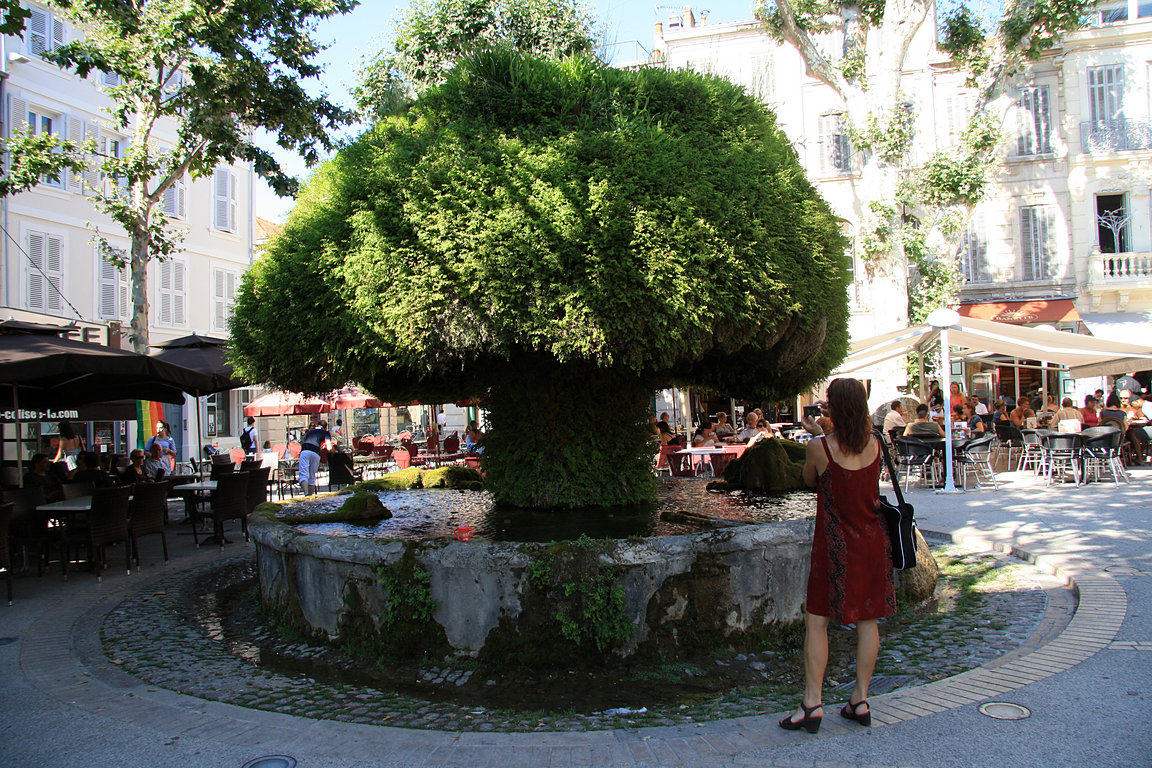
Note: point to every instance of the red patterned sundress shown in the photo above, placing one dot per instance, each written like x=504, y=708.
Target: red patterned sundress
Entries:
x=851, y=576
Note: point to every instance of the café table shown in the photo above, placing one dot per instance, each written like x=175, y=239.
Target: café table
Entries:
x=697, y=457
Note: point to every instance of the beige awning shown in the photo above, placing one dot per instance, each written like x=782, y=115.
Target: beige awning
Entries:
x=970, y=337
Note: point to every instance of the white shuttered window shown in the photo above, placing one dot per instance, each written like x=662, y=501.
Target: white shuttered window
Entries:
x=223, y=298
x=1106, y=93
x=176, y=199
x=45, y=32
x=45, y=273
x=1036, y=242
x=172, y=297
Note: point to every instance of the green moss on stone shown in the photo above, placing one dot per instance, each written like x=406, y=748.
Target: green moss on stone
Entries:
x=361, y=507
x=769, y=465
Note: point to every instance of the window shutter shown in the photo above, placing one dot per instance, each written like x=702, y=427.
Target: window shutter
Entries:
x=18, y=113
x=174, y=199
x=109, y=290
x=75, y=132
x=165, y=293
x=1028, y=242
x=109, y=79
x=38, y=23
x=825, y=141
x=222, y=203
x=762, y=82
x=1043, y=121
x=92, y=171
x=57, y=33
x=55, y=269
x=218, y=301
x=178, y=316
x=35, y=276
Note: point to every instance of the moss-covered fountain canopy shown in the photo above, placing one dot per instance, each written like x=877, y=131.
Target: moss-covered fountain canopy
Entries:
x=559, y=238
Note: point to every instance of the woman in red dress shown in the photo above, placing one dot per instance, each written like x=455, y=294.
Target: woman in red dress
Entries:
x=851, y=575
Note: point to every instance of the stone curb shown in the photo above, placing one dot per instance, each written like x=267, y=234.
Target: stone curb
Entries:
x=56, y=645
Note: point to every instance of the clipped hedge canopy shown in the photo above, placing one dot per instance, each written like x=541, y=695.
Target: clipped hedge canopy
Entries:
x=650, y=221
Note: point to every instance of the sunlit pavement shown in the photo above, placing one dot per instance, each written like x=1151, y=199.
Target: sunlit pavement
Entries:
x=1083, y=693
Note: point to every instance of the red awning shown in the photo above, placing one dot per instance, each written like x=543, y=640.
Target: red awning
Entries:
x=1022, y=312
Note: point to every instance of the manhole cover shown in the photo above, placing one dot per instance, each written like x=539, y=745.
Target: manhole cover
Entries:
x=1124, y=570
x=272, y=761
x=7, y=640
x=1002, y=710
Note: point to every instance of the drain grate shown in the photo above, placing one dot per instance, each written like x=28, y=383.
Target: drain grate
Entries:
x=1003, y=710
x=271, y=761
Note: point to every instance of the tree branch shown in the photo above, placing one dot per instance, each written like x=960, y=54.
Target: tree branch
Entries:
x=816, y=65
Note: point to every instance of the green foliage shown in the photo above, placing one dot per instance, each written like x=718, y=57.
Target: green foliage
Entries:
x=962, y=36
x=408, y=603
x=220, y=72
x=360, y=507
x=589, y=601
x=14, y=15
x=768, y=465
x=889, y=136
x=433, y=35
x=646, y=227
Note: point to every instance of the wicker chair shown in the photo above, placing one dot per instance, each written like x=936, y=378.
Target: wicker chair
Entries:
x=28, y=528
x=107, y=523
x=229, y=502
x=257, y=488
x=146, y=515
x=342, y=471
x=5, y=545
x=76, y=490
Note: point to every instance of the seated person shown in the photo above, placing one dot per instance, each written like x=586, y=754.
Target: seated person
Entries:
x=156, y=465
x=1000, y=415
x=88, y=469
x=978, y=407
x=472, y=438
x=751, y=427
x=134, y=472
x=724, y=430
x=1112, y=410
x=974, y=422
x=1068, y=412
x=40, y=474
x=924, y=426
x=1088, y=413
x=705, y=436
x=1022, y=412
x=894, y=419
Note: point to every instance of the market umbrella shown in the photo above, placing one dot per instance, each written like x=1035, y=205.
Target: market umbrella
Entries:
x=40, y=369
x=205, y=354
x=353, y=397
x=285, y=404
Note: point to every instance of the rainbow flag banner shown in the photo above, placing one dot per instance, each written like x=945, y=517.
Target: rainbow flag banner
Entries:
x=148, y=412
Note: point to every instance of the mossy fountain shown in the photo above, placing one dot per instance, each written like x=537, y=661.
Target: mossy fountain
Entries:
x=558, y=240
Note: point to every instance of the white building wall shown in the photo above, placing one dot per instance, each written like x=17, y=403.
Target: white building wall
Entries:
x=207, y=253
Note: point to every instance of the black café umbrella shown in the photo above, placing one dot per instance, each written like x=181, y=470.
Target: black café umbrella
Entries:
x=205, y=354
x=39, y=369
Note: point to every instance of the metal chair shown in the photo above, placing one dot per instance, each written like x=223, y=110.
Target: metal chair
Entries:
x=147, y=512
x=29, y=528
x=975, y=457
x=1009, y=439
x=1102, y=451
x=1062, y=453
x=342, y=471
x=914, y=454
x=1032, y=454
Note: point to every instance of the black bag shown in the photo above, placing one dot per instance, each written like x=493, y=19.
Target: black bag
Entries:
x=900, y=518
x=246, y=439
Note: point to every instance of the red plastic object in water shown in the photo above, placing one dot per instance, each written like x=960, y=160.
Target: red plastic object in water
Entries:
x=463, y=533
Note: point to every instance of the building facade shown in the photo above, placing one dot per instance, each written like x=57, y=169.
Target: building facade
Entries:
x=1064, y=235
x=53, y=270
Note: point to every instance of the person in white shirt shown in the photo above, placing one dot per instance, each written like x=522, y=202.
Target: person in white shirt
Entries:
x=894, y=419
x=978, y=406
x=751, y=428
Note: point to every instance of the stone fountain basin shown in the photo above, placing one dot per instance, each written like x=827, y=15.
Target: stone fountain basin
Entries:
x=683, y=594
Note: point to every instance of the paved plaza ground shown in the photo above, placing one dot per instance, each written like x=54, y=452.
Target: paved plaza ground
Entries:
x=1086, y=683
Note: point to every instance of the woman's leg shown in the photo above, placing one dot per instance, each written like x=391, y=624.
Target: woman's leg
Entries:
x=815, y=660
x=867, y=648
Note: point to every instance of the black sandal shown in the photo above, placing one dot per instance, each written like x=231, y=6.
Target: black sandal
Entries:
x=808, y=722
x=849, y=713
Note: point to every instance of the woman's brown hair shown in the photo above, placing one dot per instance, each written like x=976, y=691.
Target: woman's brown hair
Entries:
x=848, y=406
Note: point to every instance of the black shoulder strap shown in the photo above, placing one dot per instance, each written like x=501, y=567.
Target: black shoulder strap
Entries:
x=891, y=470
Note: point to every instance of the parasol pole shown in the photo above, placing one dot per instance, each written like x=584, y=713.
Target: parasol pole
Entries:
x=19, y=453
x=942, y=319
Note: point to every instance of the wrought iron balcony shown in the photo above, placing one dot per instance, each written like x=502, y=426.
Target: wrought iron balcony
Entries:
x=1102, y=137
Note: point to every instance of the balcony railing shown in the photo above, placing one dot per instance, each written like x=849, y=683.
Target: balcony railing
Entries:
x=1121, y=269
x=1123, y=135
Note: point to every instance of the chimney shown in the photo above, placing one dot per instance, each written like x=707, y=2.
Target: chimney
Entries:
x=658, y=37
x=703, y=18
x=689, y=17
